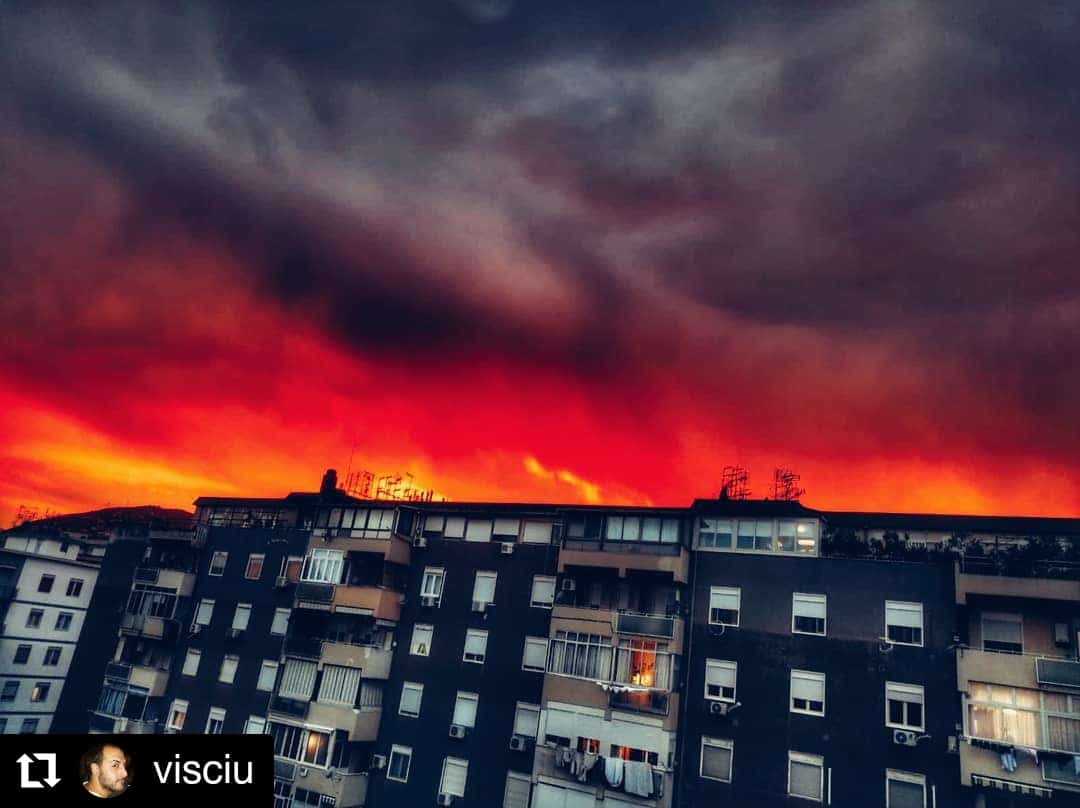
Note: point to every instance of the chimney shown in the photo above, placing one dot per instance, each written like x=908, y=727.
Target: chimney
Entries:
x=329, y=482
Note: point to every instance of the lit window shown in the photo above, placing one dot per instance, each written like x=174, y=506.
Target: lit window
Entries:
x=191, y=662
x=543, y=591
x=218, y=561
x=421, y=639
x=455, y=773
x=904, y=789
x=267, y=675
x=716, y=758
x=178, y=714
x=720, y=676
x=475, y=645
x=535, y=656
x=280, y=625
x=40, y=691
x=465, y=709
x=806, y=776
x=254, y=566
x=808, y=614
x=904, y=706
x=808, y=692
x=904, y=622
x=400, y=761
x=412, y=694
x=724, y=605
x=228, y=669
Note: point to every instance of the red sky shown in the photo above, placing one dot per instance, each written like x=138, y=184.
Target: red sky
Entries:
x=535, y=260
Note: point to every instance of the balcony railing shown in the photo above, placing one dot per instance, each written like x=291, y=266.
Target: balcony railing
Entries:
x=291, y=707
x=641, y=701
x=1057, y=672
x=160, y=628
x=1020, y=568
x=118, y=670
x=310, y=647
x=637, y=547
x=312, y=592
x=651, y=625
x=147, y=575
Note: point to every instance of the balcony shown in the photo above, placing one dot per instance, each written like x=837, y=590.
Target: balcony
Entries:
x=651, y=701
x=394, y=548
x=546, y=764
x=384, y=604
x=108, y=724
x=361, y=724
x=155, y=628
x=306, y=647
x=1057, y=672
x=374, y=662
x=980, y=578
x=623, y=556
x=606, y=621
x=155, y=680
x=293, y=708
x=649, y=625
x=346, y=788
x=313, y=595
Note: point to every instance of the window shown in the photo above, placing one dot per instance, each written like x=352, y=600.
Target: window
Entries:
x=33, y=618
x=720, y=678
x=904, y=789
x=808, y=692
x=475, y=645
x=904, y=706
x=280, y=623
x=254, y=566
x=52, y=655
x=300, y=744
x=10, y=691
x=535, y=656
x=412, y=693
x=746, y=534
x=724, y=605
x=400, y=761
x=22, y=654
x=63, y=621
x=215, y=721
x=191, y=662
x=643, y=662
x=506, y=528
x=543, y=591
x=323, y=566
x=204, y=612
x=516, y=794
x=267, y=675
x=40, y=691
x=478, y=530
x=454, y=774
x=526, y=719
x=421, y=639
x=218, y=561
x=806, y=776
x=29, y=726
x=465, y=709
x=46, y=583
x=1002, y=632
x=152, y=601
x=228, y=669
x=177, y=714
x=432, y=584
x=537, y=533
x=74, y=587
x=339, y=685
x=808, y=614
x=255, y=725
x=298, y=679
x=716, y=755
x=241, y=617
x=903, y=622
x=291, y=568
x=483, y=594
x=455, y=527
x=574, y=653
x=714, y=533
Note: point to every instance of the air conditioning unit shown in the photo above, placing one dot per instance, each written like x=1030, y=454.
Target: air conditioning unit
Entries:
x=420, y=542
x=479, y=606
x=378, y=762
x=905, y=738
x=506, y=548
x=429, y=600
x=301, y=772
x=569, y=585
x=518, y=743
x=445, y=799
x=457, y=731
x=719, y=708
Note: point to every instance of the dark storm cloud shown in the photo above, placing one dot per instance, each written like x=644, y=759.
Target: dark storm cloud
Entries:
x=412, y=177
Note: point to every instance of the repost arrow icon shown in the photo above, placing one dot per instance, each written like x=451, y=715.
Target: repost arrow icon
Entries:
x=24, y=771
x=50, y=758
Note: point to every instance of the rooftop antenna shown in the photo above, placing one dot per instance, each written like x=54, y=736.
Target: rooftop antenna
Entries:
x=785, y=485
x=735, y=483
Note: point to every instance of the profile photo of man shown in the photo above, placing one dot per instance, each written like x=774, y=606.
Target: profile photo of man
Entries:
x=104, y=770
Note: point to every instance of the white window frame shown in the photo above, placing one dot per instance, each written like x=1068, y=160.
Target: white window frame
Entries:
x=478, y=595
x=904, y=777
x=537, y=532
x=453, y=761
x=535, y=642
x=268, y=669
x=208, y=605
x=437, y=578
x=229, y=666
x=255, y=725
x=717, y=743
x=402, y=751
x=813, y=602
x=412, y=687
x=722, y=665
x=901, y=606
x=417, y=648
x=814, y=677
x=917, y=695
x=215, y=714
x=247, y=568
x=280, y=615
x=807, y=760
x=521, y=780
x=180, y=706
x=725, y=592
x=542, y=580
x=223, y=557
x=530, y=712
x=241, y=617
x=323, y=566
x=476, y=634
x=192, y=654
x=462, y=699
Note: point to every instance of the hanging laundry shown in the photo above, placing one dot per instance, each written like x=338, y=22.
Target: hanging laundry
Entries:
x=613, y=771
x=639, y=780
